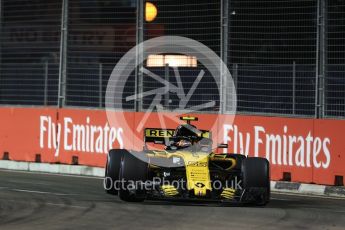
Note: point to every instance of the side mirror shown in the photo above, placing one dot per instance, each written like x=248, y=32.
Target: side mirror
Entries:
x=223, y=146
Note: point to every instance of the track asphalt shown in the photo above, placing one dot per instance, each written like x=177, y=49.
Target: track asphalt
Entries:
x=46, y=201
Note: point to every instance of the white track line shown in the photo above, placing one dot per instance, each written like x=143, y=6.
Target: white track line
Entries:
x=308, y=195
x=66, y=206
x=279, y=199
x=42, y=192
x=52, y=174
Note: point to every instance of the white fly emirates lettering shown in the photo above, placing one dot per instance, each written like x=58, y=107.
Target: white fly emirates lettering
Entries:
x=280, y=149
x=86, y=137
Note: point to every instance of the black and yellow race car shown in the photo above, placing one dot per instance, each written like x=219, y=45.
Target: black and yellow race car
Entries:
x=187, y=168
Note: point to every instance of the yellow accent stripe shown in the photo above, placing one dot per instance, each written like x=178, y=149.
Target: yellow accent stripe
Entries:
x=188, y=118
x=169, y=190
x=228, y=193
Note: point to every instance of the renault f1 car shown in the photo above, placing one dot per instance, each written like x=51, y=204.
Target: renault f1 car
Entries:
x=187, y=168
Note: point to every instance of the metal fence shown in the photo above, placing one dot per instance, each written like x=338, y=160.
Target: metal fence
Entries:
x=30, y=44
x=335, y=68
x=272, y=47
x=287, y=57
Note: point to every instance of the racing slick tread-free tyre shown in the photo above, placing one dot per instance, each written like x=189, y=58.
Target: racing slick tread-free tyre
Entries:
x=239, y=158
x=112, y=170
x=132, y=170
x=256, y=174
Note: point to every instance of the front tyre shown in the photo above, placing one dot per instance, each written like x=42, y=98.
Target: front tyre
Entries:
x=256, y=179
x=133, y=173
x=112, y=170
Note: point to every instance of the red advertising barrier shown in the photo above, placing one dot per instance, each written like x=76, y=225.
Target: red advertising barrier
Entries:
x=311, y=150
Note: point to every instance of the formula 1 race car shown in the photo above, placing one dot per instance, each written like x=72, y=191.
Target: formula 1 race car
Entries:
x=187, y=168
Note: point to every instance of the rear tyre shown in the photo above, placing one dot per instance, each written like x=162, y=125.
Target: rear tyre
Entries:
x=256, y=178
x=133, y=172
x=112, y=170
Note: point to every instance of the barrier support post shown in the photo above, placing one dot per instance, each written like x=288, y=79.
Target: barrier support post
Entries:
x=63, y=55
x=224, y=21
x=100, y=84
x=294, y=87
x=46, y=82
x=321, y=58
x=139, y=56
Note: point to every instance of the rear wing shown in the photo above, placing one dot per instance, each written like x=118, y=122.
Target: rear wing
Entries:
x=161, y=135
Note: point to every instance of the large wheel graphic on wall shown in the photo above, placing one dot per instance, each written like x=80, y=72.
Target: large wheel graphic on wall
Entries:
x=155, y=115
